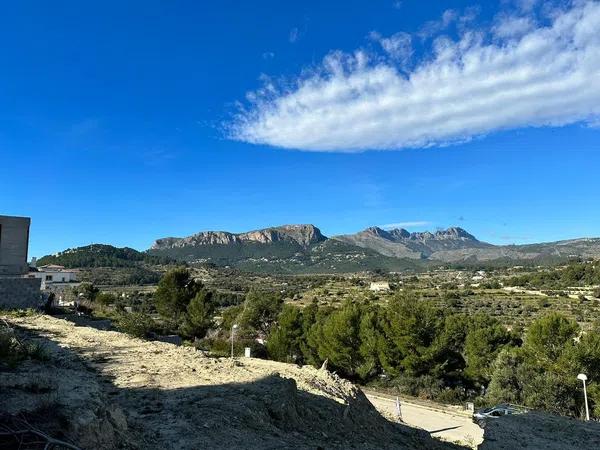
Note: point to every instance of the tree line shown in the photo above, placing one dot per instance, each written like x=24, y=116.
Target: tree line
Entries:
x=574, y=274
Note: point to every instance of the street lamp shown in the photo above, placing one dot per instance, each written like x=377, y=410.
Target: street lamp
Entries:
x=233, y=328
x=583, y=377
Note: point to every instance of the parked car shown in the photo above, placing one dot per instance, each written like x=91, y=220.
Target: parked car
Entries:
x=481, y=416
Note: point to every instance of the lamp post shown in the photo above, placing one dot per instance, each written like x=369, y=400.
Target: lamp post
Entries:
x=583, y=377
x=233, y=328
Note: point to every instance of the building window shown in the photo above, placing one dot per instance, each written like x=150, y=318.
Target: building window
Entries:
x=48, y=277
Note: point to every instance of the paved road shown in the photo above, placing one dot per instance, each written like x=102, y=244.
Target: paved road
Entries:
x=442, y=424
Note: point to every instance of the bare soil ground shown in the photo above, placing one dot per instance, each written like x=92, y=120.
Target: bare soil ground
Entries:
x=536, y=430
x=103, y=389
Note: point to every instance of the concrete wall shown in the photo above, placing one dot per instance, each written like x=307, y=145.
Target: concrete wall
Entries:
x=19, y=293
x=14, y=241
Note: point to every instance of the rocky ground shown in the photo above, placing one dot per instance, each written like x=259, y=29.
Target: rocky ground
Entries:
x=103, y=389
x=536, y=430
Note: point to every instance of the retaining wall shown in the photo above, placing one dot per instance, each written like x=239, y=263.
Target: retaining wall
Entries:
x=20, y=293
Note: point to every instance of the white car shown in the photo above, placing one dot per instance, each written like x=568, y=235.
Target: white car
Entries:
x=480, y=417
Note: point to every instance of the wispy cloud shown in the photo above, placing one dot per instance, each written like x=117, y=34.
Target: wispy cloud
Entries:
x=398, y=46
x=535, y=66
x=413, y=224
x=294, y=35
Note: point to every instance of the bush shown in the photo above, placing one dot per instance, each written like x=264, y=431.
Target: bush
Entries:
x=14, y=350
x=543, y=302
x=426, y=387
x=136, y=324
x=451, y=396
x=105, y=298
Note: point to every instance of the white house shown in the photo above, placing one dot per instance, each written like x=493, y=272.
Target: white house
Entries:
x=379, y=286
x=52, y=275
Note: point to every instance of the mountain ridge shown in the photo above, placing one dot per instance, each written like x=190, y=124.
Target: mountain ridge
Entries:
x=305, y=244
x=304, y=235
x=296, y=249
x=398, y=242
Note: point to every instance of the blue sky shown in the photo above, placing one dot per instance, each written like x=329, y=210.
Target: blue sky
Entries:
x=123, y=122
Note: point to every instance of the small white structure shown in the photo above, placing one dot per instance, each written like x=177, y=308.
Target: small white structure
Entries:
x=54, y=275
x=379, y=286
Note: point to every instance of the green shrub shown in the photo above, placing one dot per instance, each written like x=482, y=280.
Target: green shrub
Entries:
x=136, y=324
x=14, y=350
x=106, y=298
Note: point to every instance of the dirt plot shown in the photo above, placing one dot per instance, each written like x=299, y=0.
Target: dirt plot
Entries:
x=155, y=395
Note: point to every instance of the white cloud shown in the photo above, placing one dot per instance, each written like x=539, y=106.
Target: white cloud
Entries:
x=398, y=46
x=433, y=27
x=413, y=224
x=512, y=27
x=485, y=81
x=526, y=5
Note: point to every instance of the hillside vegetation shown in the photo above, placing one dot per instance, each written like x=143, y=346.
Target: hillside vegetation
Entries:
x=428, y=343
x=575, y=274
x=101, y=255
x=286, y=257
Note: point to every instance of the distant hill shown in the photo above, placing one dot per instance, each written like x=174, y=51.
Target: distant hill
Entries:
x=422, y=245
x=457, y=246
x=284, y=249
x=102, y=255
x=108, y=265
x=300, y=249
x=295, y=235
x=304, y=249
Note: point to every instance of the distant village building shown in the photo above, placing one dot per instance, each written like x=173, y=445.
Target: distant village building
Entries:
x=54, y=276
x=379, y=286
x=17, y=290
x=480, y=275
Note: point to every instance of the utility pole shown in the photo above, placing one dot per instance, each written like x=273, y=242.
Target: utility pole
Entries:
x=233, y=328
x=583, y=377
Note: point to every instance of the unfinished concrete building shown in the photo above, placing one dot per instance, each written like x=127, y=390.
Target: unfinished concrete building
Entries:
x=16, y=290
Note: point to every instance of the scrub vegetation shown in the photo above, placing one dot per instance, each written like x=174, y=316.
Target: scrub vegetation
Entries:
x=508, y=335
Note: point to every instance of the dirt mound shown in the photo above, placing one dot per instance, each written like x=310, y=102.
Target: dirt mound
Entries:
x=155, y=395
x=60, y=398
x=536, y=430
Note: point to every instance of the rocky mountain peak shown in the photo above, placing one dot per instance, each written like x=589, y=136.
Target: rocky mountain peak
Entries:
x=400, y=233
x=455, y=233
x=379, y=232
x=303, y=235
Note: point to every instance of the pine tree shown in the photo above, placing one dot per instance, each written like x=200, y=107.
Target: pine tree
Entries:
x=200, y=312
x=175, y=291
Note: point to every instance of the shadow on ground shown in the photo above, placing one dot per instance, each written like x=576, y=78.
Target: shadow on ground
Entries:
x=83, y=405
